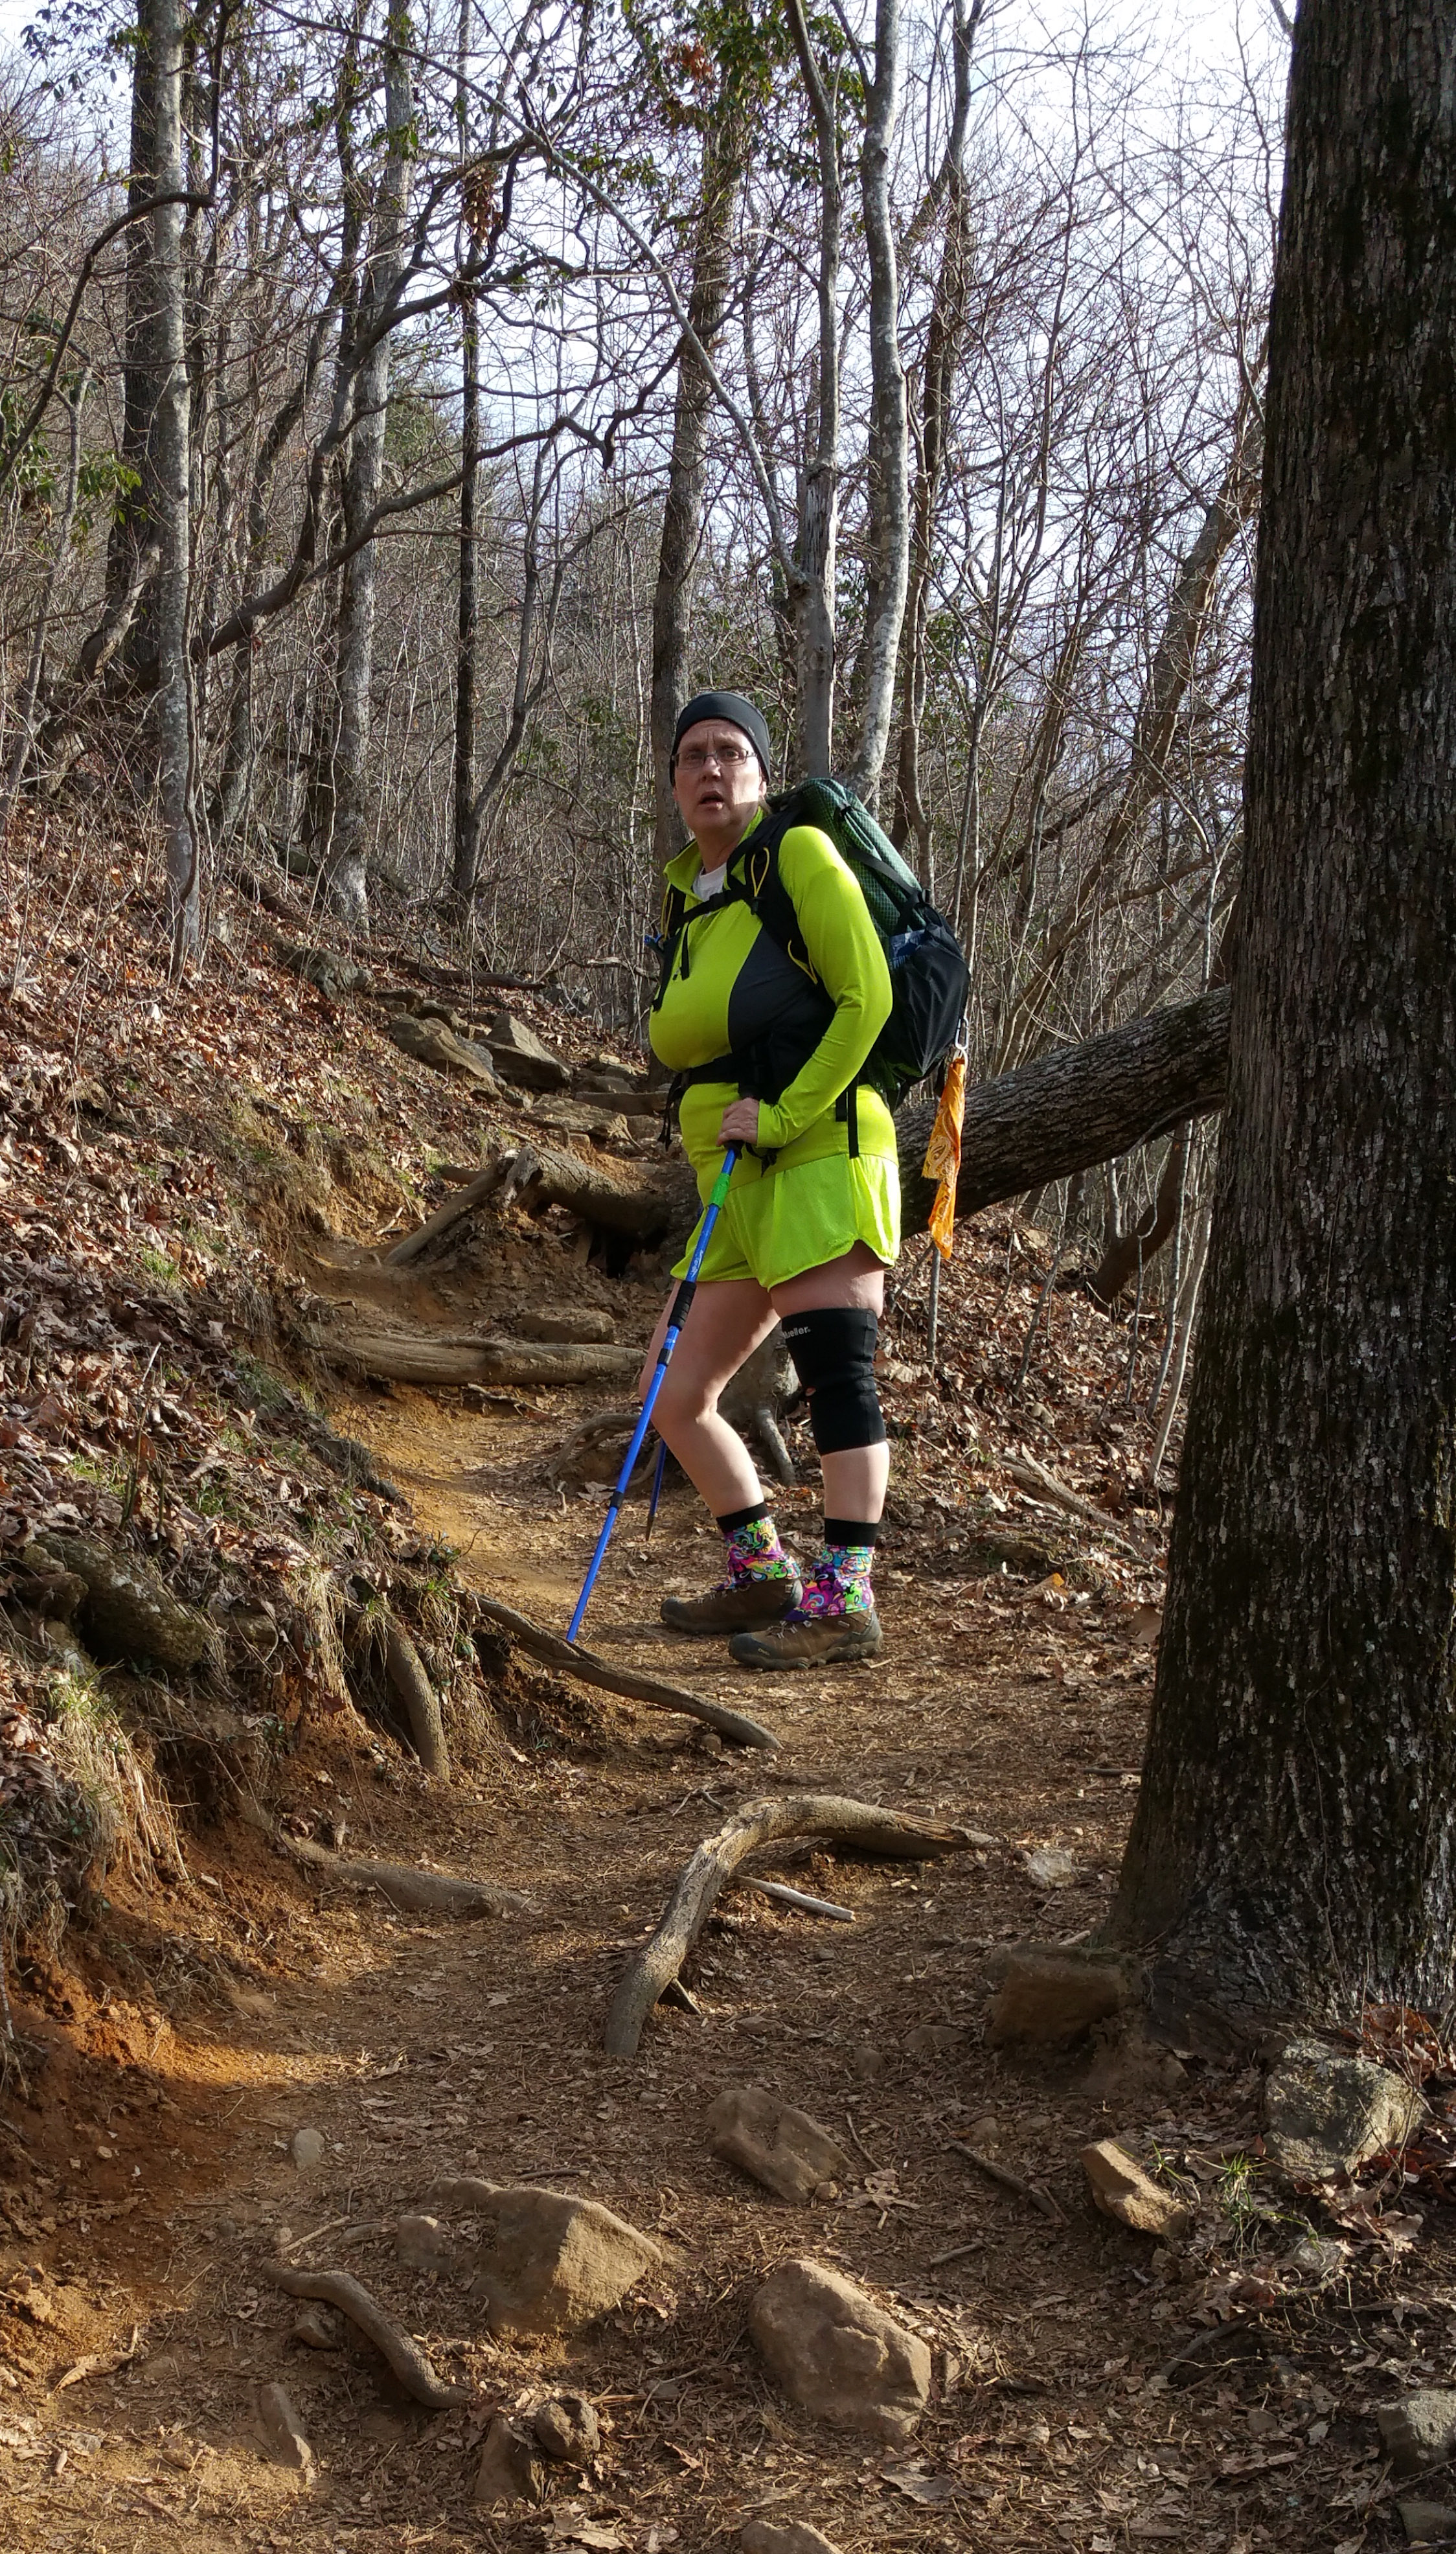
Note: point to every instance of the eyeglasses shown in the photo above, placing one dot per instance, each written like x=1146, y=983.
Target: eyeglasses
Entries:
x=729, y=757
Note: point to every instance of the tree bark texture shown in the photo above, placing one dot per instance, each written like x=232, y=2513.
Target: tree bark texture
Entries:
x=347, y=863
x=1078, y=1105
x=889, y=421
x=1295, y=1832
x=946, y=332
x=724, y=153
x=467, y=834
x=170, y=444
x=811, y=568
x=133, y=529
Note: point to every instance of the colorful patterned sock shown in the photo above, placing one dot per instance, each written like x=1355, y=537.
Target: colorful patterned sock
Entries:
x=753, y=1546
x=839, y=1582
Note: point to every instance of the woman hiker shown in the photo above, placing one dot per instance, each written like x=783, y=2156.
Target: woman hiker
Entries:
x=769, y=1045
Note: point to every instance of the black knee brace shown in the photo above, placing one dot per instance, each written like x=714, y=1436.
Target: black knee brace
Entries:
x=833, y=1349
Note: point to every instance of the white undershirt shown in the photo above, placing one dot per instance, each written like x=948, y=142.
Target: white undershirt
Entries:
x=709, y=883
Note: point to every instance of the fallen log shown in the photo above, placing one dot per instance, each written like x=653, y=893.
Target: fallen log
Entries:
x=654, y=1691
x=453, y=1212
x=412, y=1891
x=643, y=1210
x=404, y=2355
x=860, y=1823
x=1076, y=1107
x=454, y=1357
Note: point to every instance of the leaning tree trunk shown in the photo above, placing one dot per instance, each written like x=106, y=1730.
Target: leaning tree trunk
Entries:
x=130, y=544
x=171, y=466
x=813, y=567
x=724, y=149
x=347, y=864
x=1296, y=1833
x=889, y=420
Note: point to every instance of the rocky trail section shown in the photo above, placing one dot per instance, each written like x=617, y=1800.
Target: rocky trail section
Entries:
x=328, y=2222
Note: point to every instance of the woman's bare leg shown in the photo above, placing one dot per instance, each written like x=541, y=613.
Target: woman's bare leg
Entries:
x=728, y=1318
x=855, y=1481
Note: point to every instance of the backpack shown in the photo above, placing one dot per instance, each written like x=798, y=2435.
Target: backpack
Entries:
x=928, y=977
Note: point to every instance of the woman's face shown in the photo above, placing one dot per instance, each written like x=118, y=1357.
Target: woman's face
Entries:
x=719, y=780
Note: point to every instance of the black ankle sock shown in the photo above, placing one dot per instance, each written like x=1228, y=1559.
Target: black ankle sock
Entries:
x=843, y=1530
x=742, y=1516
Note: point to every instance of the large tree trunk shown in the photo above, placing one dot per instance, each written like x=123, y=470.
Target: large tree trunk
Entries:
x=171, y=488
x=724, y=149
x=1296, y=1833
x=347, y=863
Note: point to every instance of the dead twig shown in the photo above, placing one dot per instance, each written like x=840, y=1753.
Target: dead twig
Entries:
x=1009, y=2180
x=798, y=1899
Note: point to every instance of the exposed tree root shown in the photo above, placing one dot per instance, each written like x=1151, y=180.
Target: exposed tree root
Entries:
x=417, y=1699
x=414, y=1892
x=758, y=1822
x=654, y=1691
x=398, y=1355
x=408, y=2361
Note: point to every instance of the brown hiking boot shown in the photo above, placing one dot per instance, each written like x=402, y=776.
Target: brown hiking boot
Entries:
x=733, y=1608
x=810, y=1641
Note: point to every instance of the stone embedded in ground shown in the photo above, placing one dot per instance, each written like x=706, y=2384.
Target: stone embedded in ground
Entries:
x=1123, y=2190
x=307, y=2150
x=1419, y=2431
x=1049, y=1867
x=510, y=2469
x=1055, y=1996
x=317, y=2329
x=837, y=2354
x=1427, y=2522
x=423, y=2244
x=784, y=2536
x=550, y=2263
x=784, y=2149
x=283, y=2430
x=521, y=1057
x=1327, y=2111
x=567, y=2428
x=127, y=1612
x=934, y=2040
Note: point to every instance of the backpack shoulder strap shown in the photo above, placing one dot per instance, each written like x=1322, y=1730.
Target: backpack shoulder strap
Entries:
x=755, y=878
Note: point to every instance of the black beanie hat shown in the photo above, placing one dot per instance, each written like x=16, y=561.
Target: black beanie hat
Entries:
x=737, y=712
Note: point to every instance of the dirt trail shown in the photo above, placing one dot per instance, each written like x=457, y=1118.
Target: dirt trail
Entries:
x=422, y=2048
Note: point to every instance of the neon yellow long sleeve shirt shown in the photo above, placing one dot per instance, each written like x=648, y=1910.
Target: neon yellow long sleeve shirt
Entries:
x=731, y=979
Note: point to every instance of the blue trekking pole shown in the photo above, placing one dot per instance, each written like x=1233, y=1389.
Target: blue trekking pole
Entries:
x=681, y=1301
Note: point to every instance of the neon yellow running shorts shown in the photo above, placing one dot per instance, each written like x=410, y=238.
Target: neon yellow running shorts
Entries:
x=810, y=1205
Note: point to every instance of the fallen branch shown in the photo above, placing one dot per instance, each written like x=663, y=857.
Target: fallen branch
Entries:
x=417, y=1699
x=1008, y=2181
x=414, y=1892
x=758, y=1822
x=654, y=1691
x=453, y=1212
x=404, y=2355
x=1029, y=1474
